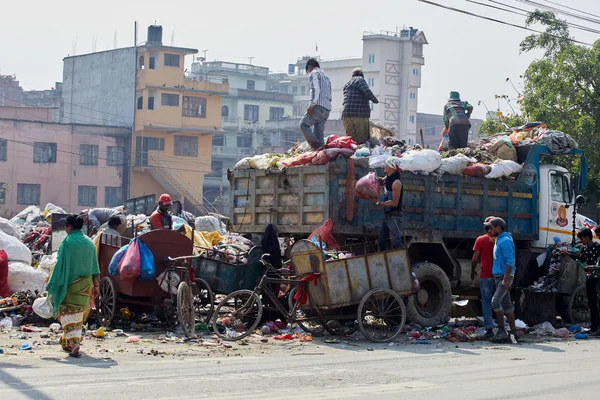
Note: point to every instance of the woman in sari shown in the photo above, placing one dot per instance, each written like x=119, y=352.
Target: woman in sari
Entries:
x=74, y=280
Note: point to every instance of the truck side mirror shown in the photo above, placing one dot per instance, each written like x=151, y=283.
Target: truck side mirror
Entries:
x=580, y=200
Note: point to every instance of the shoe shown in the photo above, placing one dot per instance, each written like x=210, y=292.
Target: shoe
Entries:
x=489, y=333
x=500, y=336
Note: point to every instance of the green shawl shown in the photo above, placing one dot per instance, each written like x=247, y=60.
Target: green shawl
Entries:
x=76, y=257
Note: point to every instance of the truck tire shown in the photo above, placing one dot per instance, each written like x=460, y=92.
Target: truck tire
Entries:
x=431, y=306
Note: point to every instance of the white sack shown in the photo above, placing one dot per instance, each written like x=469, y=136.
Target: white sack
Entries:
x=14, y=248
x=504, y=168
x=209, y=224
x=9, y=228
x=23, y=276
x=419, y=161
x=454, y=165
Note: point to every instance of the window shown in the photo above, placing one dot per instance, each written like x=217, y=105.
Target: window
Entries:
x=250, y=112
x=371, y=82
x=560, y=188
x=250, y=85
x=415, y=71
x=172, y=60
x=115, y=155
x=294, y=89
x=244, y=140
x=413, y=95
x=28, y=194
x=194, y=107
x=217, y=169
x=88, y=154
x=151, y=103
x=411, y=119
x=303, y=90
x=275, y=113
x=87, y=196
x=224, y=111
x=430, y=131
x=3, y=188
x=218, y=140
x=371, y=58
x=171, y=100
x=150, y=143
x=141, y=62
x=3, y=147
x=152, y=63
x=186, y=146
x=113, y=196
x=44, y=153
x=140, y=103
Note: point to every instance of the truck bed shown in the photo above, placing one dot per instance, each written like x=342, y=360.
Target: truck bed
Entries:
x=298, y=200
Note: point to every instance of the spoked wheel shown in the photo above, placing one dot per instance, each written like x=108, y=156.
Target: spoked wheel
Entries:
x=316, y=327
x=381, y=315
x=106, y=303
x=237, y=315
x=203, y=301
x=185, y=309
x=579, y=312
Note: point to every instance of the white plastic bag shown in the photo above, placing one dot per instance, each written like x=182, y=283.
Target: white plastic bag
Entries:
x=419, y=161
x=378, y=161
x=23, y=276
x=9, y=228
x=14, y=248
x=23, y=214
x=209, y=224
x=53, y=209
x=504, y=168
x=47, y=263
x=454, y=165
x=243, y=164
x=43, y=307
x=259, y=162
x=170, y=282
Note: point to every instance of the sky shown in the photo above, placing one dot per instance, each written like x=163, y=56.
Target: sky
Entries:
x=466, y=54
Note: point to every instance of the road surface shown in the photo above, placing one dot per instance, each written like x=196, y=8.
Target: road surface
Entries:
x=317, y=371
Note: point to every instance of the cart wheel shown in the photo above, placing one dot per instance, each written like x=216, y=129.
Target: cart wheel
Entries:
x=381, y=315
x=237, y=315
x=579, y=312
x=185, y=309
x=203, y=301
x=106, y=303
x=316, y=327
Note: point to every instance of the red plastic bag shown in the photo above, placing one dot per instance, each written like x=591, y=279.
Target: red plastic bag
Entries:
x=325, y=156
x=4, y=290
x=323, y=234
x=368, y=187
x=344, y=142
x=477, y=170
x=131, y=264
x=300, y=159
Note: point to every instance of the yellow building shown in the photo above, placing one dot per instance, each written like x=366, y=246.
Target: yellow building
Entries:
x=175, y=118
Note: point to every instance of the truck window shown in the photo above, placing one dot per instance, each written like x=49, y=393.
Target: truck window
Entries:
x=560, y=190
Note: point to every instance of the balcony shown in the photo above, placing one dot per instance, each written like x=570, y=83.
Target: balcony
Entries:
x=232, y=151
x=261, y=95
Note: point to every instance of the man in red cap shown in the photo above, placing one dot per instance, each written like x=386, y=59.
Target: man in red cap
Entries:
x=161, y=218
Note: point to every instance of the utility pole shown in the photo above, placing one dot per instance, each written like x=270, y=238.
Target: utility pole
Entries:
x=250, y=59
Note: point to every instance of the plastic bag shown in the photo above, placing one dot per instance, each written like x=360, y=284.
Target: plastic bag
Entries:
x=148, y=269
x=169, y=281
x=43, y=307
x=260, y=162
x=364, y=152
x=4, y=290
x=300, y=159
x=325, y=156
x=558, y=142
x=454, y=165
x=477, y=170
x=344, y=142
x=544, y=328
x=178, y=223
x=562, y=333
x=47, y=263
x=9, y=228
x=368, y=187
x=503, y=149
x=418, y=161
x=378, y=161
x=23, y=276
x=25, y=213
x=210, y=224
x=243, y=164
x=14, y=248
x=323, y=234
x=129, y=268
x=504, y=168
x=113, y=267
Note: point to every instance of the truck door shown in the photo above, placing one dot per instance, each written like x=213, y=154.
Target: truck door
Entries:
x=560, y=216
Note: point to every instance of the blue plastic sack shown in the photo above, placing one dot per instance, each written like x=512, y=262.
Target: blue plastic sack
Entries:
x=113, y=267
x=321, y=245
x=148, y=270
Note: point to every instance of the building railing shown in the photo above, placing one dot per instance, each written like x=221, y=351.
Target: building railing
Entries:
x=261, y=95
x=232, y=151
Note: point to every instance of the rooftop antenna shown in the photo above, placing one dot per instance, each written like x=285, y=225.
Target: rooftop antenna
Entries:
x=204, y=51
x=94, y=42
x=250, y=59
x=172, y=36
x=75, y=47
x=115, y=42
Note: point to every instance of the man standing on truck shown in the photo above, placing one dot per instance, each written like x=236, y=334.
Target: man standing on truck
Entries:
x=503, y=270
x=161, y=218
x=457, y=116
x=484, y=255
x=355, y=107
x=391, y=228
x=589, y=256
x=319, y=107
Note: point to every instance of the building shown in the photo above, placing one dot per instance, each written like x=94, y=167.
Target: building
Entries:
x=73, y=166
x=50, y=98
x=173, y=117
x=10, y=91
x=253, y=101
x=432, y=126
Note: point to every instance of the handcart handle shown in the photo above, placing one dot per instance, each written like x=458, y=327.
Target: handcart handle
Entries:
x=183, y=257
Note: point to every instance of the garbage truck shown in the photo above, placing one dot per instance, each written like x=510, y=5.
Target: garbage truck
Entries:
x=443, y=215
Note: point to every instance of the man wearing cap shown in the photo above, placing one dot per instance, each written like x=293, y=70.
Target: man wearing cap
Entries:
x=503, y=270
x=391, y=228
x=161, y=218
x=483, y=253
x=456, y=119
x=355, y=107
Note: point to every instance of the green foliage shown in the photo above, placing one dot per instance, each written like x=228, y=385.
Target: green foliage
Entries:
x=493, y=126
x=555, y=38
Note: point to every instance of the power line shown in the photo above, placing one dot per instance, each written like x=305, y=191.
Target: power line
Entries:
x=572, y=9
x=559, y=11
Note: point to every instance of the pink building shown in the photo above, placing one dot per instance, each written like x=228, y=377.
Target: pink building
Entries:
x=74, y=166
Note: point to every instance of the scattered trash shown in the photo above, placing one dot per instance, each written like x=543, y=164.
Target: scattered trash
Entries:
x=422, y=341
x=304, y=338
x=99, y=333
x=335, y=341
x=287, y=336
x=119, y=332
x=55, y=328
x=29, y=328
x=544, y=328
x=133, y=339
x=25, y=347
x=6, y=323
x=581, y=336
x=562, y=333
x=460, y=303
x=575, y=328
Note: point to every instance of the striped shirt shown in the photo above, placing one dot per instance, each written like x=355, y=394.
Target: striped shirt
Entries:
x=320, y=89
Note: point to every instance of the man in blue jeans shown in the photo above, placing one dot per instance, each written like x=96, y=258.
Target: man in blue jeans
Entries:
x=319, y=107
x=483, y=253
x=504, y=273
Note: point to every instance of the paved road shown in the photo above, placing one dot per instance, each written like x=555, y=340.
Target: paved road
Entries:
x=548, y=371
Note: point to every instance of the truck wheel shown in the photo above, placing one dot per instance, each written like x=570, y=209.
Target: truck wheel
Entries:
x=431, y=306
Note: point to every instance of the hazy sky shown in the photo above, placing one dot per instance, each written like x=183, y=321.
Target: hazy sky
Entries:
x=466, y=54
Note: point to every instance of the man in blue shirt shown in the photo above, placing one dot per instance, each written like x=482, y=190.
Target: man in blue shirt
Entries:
x=503, y=270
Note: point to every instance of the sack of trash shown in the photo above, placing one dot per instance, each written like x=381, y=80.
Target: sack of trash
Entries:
x=477, y=170
x=14, y=248
x=504, y=168
x=418, y=161
x=326, y=156
x=368, y=187
x=22, y=276
x=454, y=165
x=243, y=164
x=210, y=224
x=9, y=228
x=558, y=142
x=47, y=263
x=503, y=149
x=130, y=266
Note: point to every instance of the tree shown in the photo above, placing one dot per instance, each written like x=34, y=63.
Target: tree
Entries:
x=562, y=88
x=494, y=126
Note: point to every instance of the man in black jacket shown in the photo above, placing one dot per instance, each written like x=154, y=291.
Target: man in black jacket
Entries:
x=355, y=107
